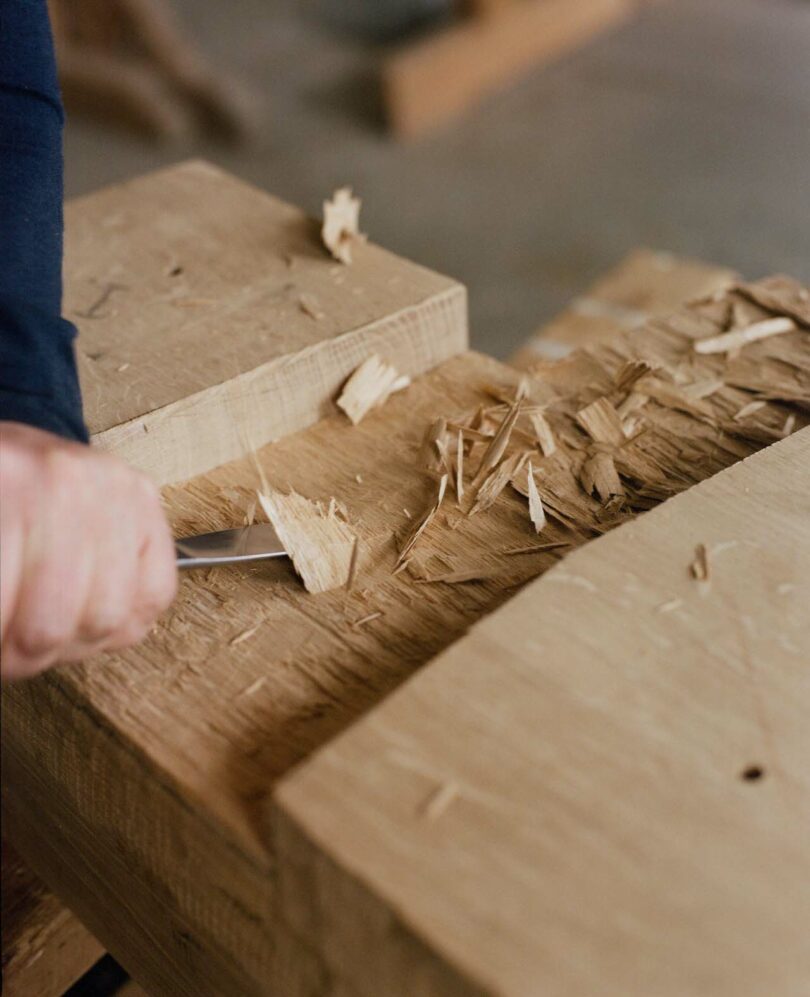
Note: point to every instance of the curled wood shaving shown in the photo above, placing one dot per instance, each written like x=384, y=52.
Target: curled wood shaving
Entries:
x=421, y=526
x=369, y=387
x=536, y=512
x=601, y=422
x=319, y=544
x=543, y=432
x=737, y=338
x=341, y=224
x=599, y=477
x=497, y=480
x=699, y=568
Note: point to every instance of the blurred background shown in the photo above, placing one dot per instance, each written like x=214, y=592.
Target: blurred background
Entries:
x=682, y=125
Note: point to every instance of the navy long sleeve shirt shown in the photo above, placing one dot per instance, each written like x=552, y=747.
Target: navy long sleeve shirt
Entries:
x=38, y=381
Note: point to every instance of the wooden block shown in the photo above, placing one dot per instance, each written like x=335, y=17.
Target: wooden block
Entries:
x=212, y=319
x=171, y=752
x=45, y=947
x=431, y=81
x=601, y=789
x=646, y=284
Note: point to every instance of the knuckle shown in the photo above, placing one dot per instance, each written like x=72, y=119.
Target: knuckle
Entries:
x=41, y=638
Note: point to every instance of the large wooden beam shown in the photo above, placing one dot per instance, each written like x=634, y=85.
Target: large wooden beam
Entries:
x=621, y=752
x=139, y=785
x=213, y=320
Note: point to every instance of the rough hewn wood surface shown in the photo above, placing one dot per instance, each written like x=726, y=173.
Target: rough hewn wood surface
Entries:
x=169, y=753
x=212, y=318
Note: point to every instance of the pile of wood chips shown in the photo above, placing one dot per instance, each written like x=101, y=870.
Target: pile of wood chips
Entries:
x=613, y=430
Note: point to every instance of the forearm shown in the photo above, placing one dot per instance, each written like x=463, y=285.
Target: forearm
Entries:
x=38, y=381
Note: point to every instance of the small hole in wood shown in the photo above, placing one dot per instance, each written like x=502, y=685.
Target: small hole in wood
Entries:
x=753, y=773
x=175, y=271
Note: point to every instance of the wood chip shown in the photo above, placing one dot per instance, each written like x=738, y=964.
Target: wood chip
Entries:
x=790, y=424
x=748, y=409
x=460, y=467
x=543, y=432
x=341, y=224
x=438, y=801
x=489, y=490
x=497, y=446
x=599, y=477
x=536, y=512
x=738, y=338
x=601, y=422
x=631, y=372
x=319, y=544
x=369, y=387
x=245, y=635
x=308, y=304
x=434, y=446
x=699, y=568
x=421, y=526
x=672, y=396
x=366, y=619
x=353, y=564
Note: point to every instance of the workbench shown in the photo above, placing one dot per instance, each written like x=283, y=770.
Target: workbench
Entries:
x=556, y=764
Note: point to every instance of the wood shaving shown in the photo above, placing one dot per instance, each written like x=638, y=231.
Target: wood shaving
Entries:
x=699, y=568
x=308, y=304
x=536, y=512
x=498, y=479
x=499, y=442
x=480, y=574
x=543, y=432
x=341, y=224
x=631, y=372
x=460, y=468
x=353, y=564
x=748, y=409
x=738, y=338
x=319, y=544
x=599, y=477
x=245, y=635
x=790, y=424
x=434, y=446
x=369, y=387
x=421, y=526
x=601, y=422
x=366, y=619
x=438, y=801
x=779, y=294
x=537, y=548
x=254, y=686
x=631, y=404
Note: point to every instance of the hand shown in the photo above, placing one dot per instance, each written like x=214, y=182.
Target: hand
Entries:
x=87, y=561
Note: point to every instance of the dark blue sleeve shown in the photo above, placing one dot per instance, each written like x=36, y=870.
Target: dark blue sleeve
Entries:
x=38, y=381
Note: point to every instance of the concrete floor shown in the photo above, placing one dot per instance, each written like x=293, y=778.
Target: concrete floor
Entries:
x=687, y=129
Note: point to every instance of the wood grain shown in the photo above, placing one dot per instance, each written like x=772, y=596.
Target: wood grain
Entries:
x=628, y=748
x=138, y=785
x=432, y=80
x=45, y=946
x=194, y=292
x=645, y=284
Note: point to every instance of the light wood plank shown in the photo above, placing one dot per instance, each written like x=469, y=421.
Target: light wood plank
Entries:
x=429, y=82
x=213, y=320
x=645, y=284
x=598, y=730
x=45, y=946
